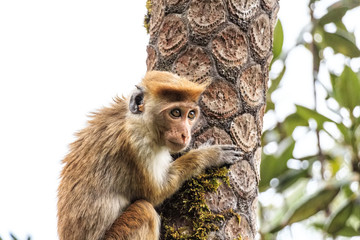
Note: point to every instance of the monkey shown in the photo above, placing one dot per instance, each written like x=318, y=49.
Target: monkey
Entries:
x=120, y=167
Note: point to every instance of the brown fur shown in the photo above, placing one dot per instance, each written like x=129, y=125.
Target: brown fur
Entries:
x=166, y=85
x=122, y=157
x=140, y=215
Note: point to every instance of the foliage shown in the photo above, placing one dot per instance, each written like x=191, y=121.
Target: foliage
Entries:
x=333, y=206
x=13, y=237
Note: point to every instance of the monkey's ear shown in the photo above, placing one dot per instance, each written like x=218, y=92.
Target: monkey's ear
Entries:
x=136, y=104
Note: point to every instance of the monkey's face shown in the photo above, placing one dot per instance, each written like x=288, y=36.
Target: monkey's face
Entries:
x=178, y=119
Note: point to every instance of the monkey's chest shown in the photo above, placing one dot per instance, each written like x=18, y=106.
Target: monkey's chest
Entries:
x=155, y=174
x=159, y=166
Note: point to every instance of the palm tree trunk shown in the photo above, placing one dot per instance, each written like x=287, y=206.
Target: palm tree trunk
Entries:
x=228, y=43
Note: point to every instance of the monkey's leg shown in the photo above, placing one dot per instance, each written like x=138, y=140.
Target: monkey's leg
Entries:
x=139, y=221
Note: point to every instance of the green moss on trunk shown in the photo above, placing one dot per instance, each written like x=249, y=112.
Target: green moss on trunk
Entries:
x=147, y=16
x=189, y=207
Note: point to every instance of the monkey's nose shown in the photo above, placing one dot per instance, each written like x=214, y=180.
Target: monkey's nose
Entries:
x=183, y=136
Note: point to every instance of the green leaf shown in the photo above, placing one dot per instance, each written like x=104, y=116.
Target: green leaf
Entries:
x=335, y=164
x=345, y=131
x=348, y=231
x=312, y=205
x=268, y=170
x=13, y=236
x=340, y=26
x=317, y=55
x=289, y=178
x=276, y=81
x=278, y=40
x=318, y=225
x=347, y=89
x=319, y=201
x=274, y=85
x=292, y=121
x=333, y=80
x=307, y=113
x=349, y=35
x=333, y=15
x=269, y=105
x=341, y=43
x=272, y=166
x=339, y=218
x=349, y=4
x=356, y=213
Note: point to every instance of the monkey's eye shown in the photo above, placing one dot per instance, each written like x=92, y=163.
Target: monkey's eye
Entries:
x=192, y=115
x=176, y=113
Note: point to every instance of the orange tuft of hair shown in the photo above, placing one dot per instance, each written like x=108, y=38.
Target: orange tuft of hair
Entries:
x=169, y=86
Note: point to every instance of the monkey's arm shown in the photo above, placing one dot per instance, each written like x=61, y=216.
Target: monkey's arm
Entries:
x=192, y=164
x=139, y=221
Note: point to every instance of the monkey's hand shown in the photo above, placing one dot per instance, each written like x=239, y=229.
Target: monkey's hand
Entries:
x=225, y=154
x=193, y=163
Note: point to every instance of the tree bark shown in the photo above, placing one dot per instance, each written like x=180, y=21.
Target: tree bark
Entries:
x=229, y=44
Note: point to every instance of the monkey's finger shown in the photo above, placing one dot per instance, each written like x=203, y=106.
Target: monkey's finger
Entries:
x=232, y=160
x=238, y=153
x=209, y=142
x=235, y=154
x=228, y=147
x=237, y=158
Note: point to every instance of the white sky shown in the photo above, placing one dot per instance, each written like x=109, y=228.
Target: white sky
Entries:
x=60, y=60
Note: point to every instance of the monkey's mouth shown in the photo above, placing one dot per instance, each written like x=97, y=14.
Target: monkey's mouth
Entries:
x=175, y=146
